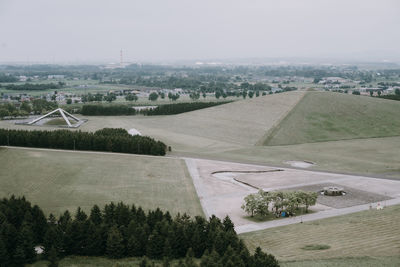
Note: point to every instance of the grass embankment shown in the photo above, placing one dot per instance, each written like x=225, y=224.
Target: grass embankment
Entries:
x=364, y=234
x=57, y=180
x=326, y=116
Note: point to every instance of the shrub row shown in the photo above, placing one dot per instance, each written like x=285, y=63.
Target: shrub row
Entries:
x=167, y=109
x=65, y=139
x=171, y=109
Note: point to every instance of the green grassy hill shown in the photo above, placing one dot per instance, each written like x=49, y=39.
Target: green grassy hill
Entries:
x=326, y=116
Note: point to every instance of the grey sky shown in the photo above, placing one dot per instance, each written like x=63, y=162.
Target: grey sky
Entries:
x=151, y=30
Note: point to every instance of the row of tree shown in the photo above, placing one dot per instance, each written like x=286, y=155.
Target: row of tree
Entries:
x=119, y=231
x=171, y=109
x=102, y=110
x=77, y=140
x=166, y=109
x=34, y=86
x=264, y=203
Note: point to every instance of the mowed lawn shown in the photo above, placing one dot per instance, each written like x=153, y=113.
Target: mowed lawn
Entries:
x=326, y=116
x=364, y=234
x=60, y=180
x=372, y=156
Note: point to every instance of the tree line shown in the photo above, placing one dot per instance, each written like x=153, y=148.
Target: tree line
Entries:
x=112, y=140
x=34, y=86
x=166, y=109
x=276, y=202
x=117, y=231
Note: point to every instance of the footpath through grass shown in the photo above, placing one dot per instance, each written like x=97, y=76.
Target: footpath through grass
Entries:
x=326, y=116
x=370, y=233
x=58, y=180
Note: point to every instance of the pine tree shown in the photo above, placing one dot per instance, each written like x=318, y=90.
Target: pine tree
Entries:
x=95, y=215
x=26, y=242
x=228, y=224
x=155, y=245
x=19, y=256
x=53, y=239
x=189, y=262
x=167, y=251
x=262, y=259
x=4, y=259
x=115, y=247
x=53, y=257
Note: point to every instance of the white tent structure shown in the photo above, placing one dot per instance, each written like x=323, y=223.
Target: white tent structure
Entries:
x=65, y=115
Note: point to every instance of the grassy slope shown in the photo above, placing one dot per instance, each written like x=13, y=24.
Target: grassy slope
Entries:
x=374, y=156
x=65, y=180
x=345, y=262
x=241, y=122
x=325, y=116
x=363, y=234
x=218, y=133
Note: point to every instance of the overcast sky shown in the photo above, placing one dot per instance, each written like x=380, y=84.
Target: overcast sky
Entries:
x=150, y=30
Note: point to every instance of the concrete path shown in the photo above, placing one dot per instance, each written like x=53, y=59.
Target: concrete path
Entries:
x=201, y=193
x=250, y=227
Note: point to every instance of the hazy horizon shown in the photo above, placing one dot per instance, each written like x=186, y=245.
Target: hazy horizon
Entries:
x=177, y=30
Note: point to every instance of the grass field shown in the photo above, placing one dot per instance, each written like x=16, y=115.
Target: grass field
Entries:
x=229, y=132
x=345, y=262
x=326, y=116
x=58, y=180
x=372, y=156
x=364, y=234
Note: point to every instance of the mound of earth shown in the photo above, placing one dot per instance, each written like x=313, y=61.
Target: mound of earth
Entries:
x=326, y=116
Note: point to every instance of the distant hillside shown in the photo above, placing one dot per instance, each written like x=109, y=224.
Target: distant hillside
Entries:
x=326, y=116
x=242, y=122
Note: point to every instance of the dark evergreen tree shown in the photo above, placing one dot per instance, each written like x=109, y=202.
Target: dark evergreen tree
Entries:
x=53, y=239
x=115, y=247
x=261, y=259
x=53, y=257
x=19, y=258
x=95, y=215
x=4, y=255
x=26, y=242
x=155, y=245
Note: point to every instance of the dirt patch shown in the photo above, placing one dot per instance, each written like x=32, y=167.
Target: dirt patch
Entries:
x=352, y=197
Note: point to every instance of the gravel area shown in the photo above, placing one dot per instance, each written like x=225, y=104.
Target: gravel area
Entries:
x=352, y=197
